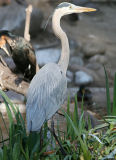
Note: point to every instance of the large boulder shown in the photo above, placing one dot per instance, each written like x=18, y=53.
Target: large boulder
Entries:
x=99, y=59
x=82, y=78
x=47, y=55
x=76, y=60
x=16, y=98
x=69, y=76
x=93, y=48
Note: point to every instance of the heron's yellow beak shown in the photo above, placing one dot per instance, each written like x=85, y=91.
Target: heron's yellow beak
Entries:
x=84, y=9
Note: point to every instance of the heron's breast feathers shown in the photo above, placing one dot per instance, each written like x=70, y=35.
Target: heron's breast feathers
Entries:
x=46, y=92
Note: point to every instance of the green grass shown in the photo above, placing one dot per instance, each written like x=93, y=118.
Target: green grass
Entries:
x=78, y=141
x=21, y=145
x=111, y=110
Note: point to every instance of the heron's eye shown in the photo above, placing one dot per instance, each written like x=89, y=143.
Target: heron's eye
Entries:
x=70, y=7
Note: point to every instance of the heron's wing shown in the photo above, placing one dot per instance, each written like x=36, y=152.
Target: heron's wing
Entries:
x=45, y=95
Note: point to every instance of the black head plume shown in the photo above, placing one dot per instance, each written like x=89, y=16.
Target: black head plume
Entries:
x=63, y=4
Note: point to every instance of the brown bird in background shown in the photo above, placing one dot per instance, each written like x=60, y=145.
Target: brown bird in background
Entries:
x=21, y=51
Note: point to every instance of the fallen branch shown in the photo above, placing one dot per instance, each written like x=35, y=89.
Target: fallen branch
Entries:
x=2, y=61
x=27, y=27
x=27, y=22
x=8, y=81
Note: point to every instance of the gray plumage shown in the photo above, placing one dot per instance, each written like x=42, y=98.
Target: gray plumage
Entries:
x=45, y=99
x=47, y=89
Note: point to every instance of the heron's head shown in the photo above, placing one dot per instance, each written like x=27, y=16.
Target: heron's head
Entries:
x=5, y=38
x=68, y=8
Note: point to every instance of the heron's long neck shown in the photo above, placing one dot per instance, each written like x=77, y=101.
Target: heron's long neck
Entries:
x=64, y=58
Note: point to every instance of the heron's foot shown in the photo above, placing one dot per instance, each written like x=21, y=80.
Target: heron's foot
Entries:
x=56, y=138
x=52, y=124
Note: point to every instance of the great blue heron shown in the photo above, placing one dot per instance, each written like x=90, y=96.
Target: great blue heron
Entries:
x=48, y=88
x=20, y=50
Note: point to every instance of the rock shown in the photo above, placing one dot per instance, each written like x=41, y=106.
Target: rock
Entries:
x=111, y=53
x=69, y=80
x=98, y=58
x=3, y=53
x=96, y=70
x=74, y=67
x=82, y=78
x=14, y=97
x=69, y=75
x=48, y=55
x=92, y=48
x=21, y=108
x=73, y=46
x=9, y=61
x=12, y=17
x=94, y=66
x=101, y=74
x=76, y=60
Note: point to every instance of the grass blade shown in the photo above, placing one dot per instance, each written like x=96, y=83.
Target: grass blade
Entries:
x=1, y=136
x=16, y=151
x=107, y=93
x=84, y=147
x=1, y=154
x=68, y=106
x=114, y=97
x=75, y=114
x=4, y=123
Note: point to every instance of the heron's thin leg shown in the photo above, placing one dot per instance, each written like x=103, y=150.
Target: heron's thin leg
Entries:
x=52, y=130
x=41, y=138
x=52, y=124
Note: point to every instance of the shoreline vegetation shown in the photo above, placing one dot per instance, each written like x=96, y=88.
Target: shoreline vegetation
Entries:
x=80, y=141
